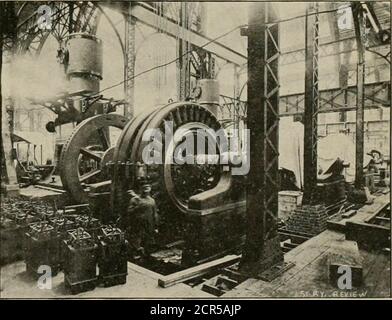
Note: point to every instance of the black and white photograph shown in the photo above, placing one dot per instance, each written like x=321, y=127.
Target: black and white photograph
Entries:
x=226, y=150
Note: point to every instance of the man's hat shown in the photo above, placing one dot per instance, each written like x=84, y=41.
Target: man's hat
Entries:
x=374, y=151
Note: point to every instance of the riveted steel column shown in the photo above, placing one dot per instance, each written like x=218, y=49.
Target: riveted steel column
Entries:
x=359, y=25
x=8, y=34
x=262, y=248
x=183, y=52
x=311, y=102
x=129, y=59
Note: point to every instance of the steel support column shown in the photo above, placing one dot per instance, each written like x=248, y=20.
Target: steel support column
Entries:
x=342, y=70
x=202, y=60
x=129, y=62
x=236, y=89
x=262, y=248
x=183, y=72
x=311, y=102
x=359, y=25
x=334, y=31
x=7, y=45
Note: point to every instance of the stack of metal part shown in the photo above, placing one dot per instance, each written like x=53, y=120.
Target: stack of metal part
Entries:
x=80, y=261
x=16, y=215
x=70, y=239
x=11, y=250
x=62, y=225
x=42, y=248
x=112, y=260
x=90, y=224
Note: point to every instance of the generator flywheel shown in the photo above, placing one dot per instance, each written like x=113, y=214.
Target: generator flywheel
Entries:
x=85, y=154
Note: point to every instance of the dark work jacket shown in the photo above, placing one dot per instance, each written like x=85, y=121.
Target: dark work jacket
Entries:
x=142, y=214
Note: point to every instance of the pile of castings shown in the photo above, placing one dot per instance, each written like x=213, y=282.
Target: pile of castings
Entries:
x=83, y=252
x=15, y=216
x=70, y=240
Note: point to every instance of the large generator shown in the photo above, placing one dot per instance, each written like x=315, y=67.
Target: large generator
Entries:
x=201, y=203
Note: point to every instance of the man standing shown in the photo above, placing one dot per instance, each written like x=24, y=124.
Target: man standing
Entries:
x=147, y=219
x=141, y=221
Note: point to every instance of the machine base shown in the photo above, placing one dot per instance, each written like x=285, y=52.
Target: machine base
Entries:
x=267, y=264
x=213, y=231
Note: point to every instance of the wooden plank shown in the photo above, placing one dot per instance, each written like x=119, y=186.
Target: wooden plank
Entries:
x=379, y=203
x=336, y=225
x=349, y=213
x=197, y=271
x=175, y=244
x=377, y=211
x=144, y=271
x=295, y=237
x=50, y=189
x=368, y=235
x=77, y=206
x=212, y=290
x=235, y=275
x=383, y=219
x=363, y=214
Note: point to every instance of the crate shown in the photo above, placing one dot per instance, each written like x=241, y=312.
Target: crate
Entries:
x=80, y=262
x=62, y=225
x=290, y=197
x=42, y=248
x=11, y=248
x=90, y=224
x=288, y=202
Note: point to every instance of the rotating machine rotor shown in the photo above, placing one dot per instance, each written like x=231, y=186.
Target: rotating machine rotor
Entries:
x=198, y=202
x=86, y=153
x=172, y=184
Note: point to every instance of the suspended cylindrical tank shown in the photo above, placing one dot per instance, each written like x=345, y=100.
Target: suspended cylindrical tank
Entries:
x=83, y=82
x=84, y=65
x=209, y=94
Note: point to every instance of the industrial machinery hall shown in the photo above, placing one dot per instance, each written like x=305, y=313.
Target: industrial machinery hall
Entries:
x=198, y=150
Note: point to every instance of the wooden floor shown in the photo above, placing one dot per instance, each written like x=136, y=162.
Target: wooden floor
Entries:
x=365, y=212
x=141, y=283
x=309, y=277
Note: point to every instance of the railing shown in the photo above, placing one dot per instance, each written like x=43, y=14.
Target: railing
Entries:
x=232, y=110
